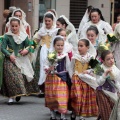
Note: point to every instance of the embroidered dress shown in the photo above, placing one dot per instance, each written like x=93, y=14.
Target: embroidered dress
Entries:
x=15, y=76
x=83, y=96
x=107, y=92
x=56, y=88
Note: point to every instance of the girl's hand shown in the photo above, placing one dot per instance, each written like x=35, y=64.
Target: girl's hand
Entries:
x=12, y=58
x=49, y=69
x=24, y=52
x=118, y=93
x=107, y=72
x=85, y=72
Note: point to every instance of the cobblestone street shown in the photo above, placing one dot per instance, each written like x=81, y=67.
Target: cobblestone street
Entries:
x=29, y=108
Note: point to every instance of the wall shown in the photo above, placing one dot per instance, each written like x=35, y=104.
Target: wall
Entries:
x=105, y=9
x=35, y=14
x=63, y=7
x=1, y=14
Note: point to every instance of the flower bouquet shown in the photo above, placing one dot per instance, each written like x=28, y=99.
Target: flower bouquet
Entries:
x=103, y=46
x=98, y=70
x=52, y=58
x=112, y=38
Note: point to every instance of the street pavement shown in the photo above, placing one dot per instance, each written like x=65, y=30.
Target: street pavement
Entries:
x=29, y=108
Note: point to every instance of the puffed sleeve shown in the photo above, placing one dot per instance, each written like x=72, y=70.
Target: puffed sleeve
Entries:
x=4, y=46
x=107, y=27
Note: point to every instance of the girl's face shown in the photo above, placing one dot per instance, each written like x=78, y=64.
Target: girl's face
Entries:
x=59, y=46
x=95, y=17
x=48, y=22
x=91, y=35
x=82, y=48
x=59, y=25
x=118, y=19
x=63, y=34
x=109, y=60
x=15, y=26
x=18, y=15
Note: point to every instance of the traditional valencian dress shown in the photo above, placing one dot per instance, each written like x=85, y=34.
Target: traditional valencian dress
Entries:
x=104, y=26
x=56, y=86
x=18, y=77
x=83, y=96
x=45, y=36
x=116, y=46
x=107, y=92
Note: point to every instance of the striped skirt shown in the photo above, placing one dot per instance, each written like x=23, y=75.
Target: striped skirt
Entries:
x=56, y=93
x=15, y=83
x=105, y=105
x=83, y=98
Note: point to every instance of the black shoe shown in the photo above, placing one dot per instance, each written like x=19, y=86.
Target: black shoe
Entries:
x=41, y=95
x=52, y=118
x=10, y=103
x=18, y=98
x=71, y=116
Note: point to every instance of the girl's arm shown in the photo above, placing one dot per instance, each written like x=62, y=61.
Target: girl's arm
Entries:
x=4, y=47
x=101, y=79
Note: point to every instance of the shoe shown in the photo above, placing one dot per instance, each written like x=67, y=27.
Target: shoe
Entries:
x=10, y=103
x=18, y=98
x=53, y=119
x=41, y=95
x=72, y=118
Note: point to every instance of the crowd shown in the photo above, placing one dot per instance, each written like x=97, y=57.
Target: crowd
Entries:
x=77, y=72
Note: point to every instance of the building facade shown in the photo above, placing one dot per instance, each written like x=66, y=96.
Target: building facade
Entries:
x=72, y=9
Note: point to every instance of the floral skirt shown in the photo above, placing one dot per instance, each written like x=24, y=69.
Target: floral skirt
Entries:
x=15, y=83
x=105, y=105
x=83, y=98
x=56, y=93
x=1, y=68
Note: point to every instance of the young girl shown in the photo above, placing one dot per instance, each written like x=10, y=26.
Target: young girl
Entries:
x=17, y=71
x=83, y=97
x=22, y=16
x=56, y=88
x=68, y=46
x=109, y=86
x=95, y=36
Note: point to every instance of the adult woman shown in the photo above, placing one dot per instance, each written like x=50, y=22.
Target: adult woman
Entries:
x=97, y=19
x=84, y=19
x=22, y=16
x=63, y=22
x=18, y=73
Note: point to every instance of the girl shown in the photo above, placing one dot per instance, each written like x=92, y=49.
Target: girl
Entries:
x=22, y=16
x=44, y=37
x=97, y=19
x=56, y=88
x=83, y=97
x=109, y=85
x=67, y=47
x=18, y=72
x=63, y=22
x=95, y=35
